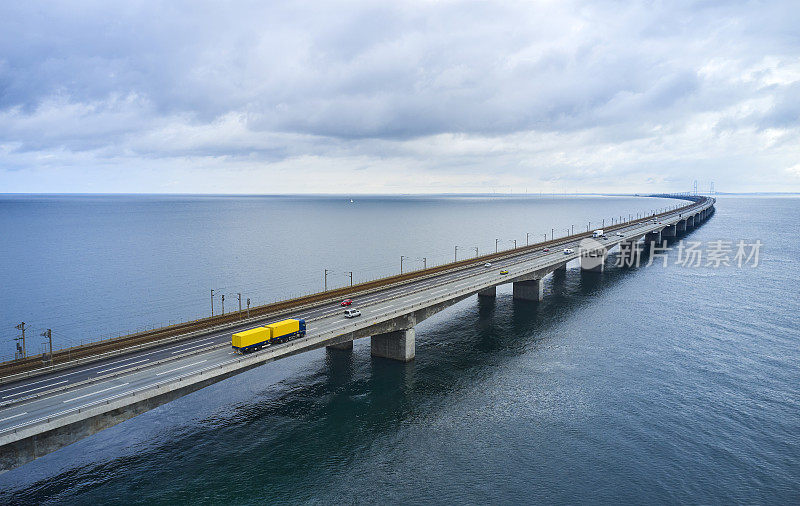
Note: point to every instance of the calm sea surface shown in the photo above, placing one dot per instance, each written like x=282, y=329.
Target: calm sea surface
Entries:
x=646, y=385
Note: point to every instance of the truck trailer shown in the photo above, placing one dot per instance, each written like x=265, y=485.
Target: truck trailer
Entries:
x=274, y=333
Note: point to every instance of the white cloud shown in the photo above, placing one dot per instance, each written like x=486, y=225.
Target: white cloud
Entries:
x=399, y=97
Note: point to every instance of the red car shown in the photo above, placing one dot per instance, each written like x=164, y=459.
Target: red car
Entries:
x=546, y=249
x=347, y=302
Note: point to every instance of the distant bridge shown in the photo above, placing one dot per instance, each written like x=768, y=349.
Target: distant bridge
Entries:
x=44, y=409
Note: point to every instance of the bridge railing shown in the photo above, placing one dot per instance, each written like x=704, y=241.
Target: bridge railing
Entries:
x=187, y=328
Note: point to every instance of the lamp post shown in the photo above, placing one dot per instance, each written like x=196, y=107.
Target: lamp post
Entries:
x=401, y=263
x=49, y=335
x=496, y=241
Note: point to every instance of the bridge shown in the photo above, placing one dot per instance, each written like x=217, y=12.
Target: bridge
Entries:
x=43, y=409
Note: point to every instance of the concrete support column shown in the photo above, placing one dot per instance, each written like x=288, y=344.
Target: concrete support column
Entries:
x=690, y=222
x=345, y=346
x=629, y=253
x=653, y=237
x=397, y=345
x=488, y=292
x=529, y=290
x=681, y=226
x=561, y=269
x=593, y=260
x=670, y=231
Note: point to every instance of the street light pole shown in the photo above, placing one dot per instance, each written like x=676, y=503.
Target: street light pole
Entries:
x=476, y=252
x=495, y=244
x=325, y=283
x=248, y=307
x=223, y=303
x=401, y=263
x=527, y=239
x=212, y=302
x=424, y=262
x=455, y=255
x=351, y=278
x=49, y=335
x=240, y=302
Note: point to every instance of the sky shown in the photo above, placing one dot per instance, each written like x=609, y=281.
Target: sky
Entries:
x=399, y=97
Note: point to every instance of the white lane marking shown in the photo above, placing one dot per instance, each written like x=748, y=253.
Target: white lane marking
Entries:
x=82, y=370
x=97, y=392
x=33, y=389
x=181, y=367
x=29, y=384
x=121, y=366
x=190, y=348
x=13, y=416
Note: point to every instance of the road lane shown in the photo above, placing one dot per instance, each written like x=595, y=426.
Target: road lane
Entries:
x=321, y=319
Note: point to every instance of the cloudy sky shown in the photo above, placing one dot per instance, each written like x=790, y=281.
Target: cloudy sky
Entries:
x=396, y=97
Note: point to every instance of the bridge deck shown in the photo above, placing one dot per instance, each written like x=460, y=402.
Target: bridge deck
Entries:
x=146, y=378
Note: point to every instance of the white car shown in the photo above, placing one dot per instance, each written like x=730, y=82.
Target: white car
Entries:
x=351, y=313
x=568, y=251
x=487, y=264
x=620, y=234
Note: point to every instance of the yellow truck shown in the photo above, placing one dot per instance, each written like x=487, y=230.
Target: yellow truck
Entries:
x=278, y=332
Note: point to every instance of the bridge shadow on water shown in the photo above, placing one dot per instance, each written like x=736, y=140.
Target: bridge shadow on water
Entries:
x=291, y=438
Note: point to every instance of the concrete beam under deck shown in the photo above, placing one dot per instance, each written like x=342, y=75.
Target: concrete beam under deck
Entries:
x=345, y=346
x=488, y=292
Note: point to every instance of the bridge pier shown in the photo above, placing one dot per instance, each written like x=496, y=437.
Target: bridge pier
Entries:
x=629, y=252
x=653, y=237
x=593, y=260
x=690, y=222
x=530, y=289
x=669, y=231
x=680, y=226
x=395, y=345
x=488, y=292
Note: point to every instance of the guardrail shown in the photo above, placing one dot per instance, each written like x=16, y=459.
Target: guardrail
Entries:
x=186, y=330
x=267, y=355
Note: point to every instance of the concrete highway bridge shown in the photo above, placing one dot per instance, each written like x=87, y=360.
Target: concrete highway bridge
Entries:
x=45, y=408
